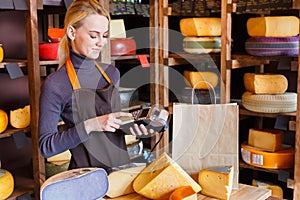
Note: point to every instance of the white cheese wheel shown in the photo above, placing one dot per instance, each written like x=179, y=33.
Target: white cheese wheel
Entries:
x=202, y=26
x=273, y=26
x=264, y=103
x=202, y=45
x=265, y=83
x=270, y=160
x=161, y=177
x=216, y=182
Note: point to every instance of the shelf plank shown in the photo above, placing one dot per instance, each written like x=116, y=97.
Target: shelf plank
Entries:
x=184, y=58
x=127, y=57
x=22, y=186
x=244, y=192
x=21, y=63
x=11, y=131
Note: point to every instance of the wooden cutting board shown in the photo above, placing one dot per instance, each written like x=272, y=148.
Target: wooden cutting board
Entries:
x=245, y=192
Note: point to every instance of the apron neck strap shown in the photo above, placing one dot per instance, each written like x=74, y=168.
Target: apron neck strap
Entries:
x=73, y=77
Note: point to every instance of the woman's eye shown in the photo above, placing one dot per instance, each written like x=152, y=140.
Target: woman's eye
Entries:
x=105, y=36
x=93, y=36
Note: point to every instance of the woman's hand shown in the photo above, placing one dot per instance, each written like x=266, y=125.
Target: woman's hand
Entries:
x=140, y=130
x=109, y=122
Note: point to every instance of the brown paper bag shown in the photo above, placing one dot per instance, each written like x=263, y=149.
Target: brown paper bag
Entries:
x=205, y=136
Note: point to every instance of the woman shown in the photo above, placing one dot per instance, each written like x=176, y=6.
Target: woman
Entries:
x=84, y=94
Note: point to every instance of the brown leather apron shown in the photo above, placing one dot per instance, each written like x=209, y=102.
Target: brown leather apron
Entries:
x=102, y=149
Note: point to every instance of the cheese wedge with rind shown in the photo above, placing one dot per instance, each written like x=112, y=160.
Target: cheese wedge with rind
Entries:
x=162, y=176
x=268, y=140
x=216, y=181
x=184, y=193
x=121, y=181
x=275, y=189
x=20, y=118
x=265, y=83
x=273, y=26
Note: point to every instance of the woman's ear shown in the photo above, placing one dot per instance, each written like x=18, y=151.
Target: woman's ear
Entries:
x=71, y=32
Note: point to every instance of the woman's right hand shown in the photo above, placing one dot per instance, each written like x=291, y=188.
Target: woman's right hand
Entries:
x=109, y=122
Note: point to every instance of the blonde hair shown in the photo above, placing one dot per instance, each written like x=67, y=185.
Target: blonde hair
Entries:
x=75, y=14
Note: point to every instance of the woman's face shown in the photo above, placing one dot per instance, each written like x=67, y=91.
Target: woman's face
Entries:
x=89, y=39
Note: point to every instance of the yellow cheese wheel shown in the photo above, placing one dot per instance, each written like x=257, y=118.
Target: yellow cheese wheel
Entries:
x=265, y=83
x=161, y=177
x=6, y=184
x=273, y=26
x=271, y=160
x=20, y=118
x=1, y=53
x=268, y=140
x=3, y=121
x=200, y=80
x=202, y=26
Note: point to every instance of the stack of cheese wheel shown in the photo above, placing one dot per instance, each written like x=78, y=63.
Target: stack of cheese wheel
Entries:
x=273, y=36
x=265, y=149
x=266, y=93
x=202, y=35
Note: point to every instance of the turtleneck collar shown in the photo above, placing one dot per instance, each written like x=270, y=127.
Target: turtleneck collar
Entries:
x=80, y=61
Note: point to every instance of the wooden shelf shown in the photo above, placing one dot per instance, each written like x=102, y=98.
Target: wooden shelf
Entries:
x=21, y=63
x=11, y=131
x=127, y=57
x=22, y=186
x=244, y=192
x=185, y=58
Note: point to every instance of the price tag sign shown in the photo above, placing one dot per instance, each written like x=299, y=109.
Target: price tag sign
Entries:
x=143, y=60
x=14, y=70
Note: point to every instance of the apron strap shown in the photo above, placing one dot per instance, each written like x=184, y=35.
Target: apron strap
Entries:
x=74, y=79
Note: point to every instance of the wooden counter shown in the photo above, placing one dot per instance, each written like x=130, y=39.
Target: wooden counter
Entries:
x=245, y=192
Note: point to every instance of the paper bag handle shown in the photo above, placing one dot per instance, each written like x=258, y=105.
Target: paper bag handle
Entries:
x=211, y=87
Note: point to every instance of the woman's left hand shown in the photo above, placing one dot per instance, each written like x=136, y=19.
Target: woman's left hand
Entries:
x=140, y=130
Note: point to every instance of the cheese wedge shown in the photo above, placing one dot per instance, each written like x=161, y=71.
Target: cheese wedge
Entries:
x=202, y=26
x=273, y=26
x=265, y=83
x=201, y=80
x=270, y=160
x=268, y=140
x=216, y=182
x=162, y=176
x=120, y=182
x=20, y=118
x=184, y=193
x=276, y=190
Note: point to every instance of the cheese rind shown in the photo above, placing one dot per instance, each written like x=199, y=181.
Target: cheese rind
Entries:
x=184, y=193
x=265, y=83
x=273, y=26
x=216, y=182
x=268, y=140
x=162, y=176
x=201, y=80
x=121, y=182
x=202, y=26
x=202, y=45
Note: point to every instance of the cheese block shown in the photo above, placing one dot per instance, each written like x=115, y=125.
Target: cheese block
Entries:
x=60, y=158
x=270, y=160
x=266, y=103
x=273, y=26
x=81, y=183
x=201, y=45
x=275, y=189
x=117, y=28
x=183, y=193
x=216, y=181
x=6, y=184
x=268, y=140
x=162, y=176
x=202, y=26
x=272, y=46
x=121, y=181
x=20, y=118
x=201, y=80
x=265, y=83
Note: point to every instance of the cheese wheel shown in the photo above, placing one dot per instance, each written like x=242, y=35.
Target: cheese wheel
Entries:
x=216, y=182
x=204, y=26
x=201, y=45
x=268, y=140
x=200, y=80
x=184, y=193
x=6, y=184
x=273, y=26
x=124, y=46
x=264, y=103
x=265, y=83
x=81, y=183
x=272, y=46
x=3, y=120
x=161, y=177
x=270, y=160
x=20, y=118
x=120, y=182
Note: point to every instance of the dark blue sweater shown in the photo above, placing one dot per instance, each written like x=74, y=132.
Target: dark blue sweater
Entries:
x=56, y=102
